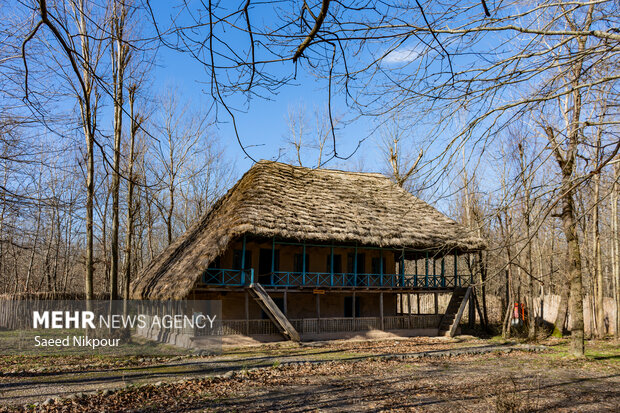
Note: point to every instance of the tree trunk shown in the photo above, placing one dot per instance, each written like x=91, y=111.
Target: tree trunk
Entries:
x=575, y=274
x=90, y=195
x=130, y=208
x=615, y=240
x=120, y=59
x=598, y=261
x=569, y=225
x=560, y=318
x=170, y=214
x=88, y=124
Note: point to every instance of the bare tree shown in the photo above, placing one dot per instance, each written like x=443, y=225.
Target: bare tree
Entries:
x=120, y=60
x=402, y=165
x=131, y=210
x=308, y=134
x=183, y=135
x=83, y=57
x=615, y=239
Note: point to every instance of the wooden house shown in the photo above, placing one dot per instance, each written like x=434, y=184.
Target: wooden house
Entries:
x=306, y=252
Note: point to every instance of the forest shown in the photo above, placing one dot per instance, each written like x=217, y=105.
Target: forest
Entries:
x=502, y=114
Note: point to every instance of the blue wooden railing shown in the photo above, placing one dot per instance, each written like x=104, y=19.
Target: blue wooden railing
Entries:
x=223, y=277
x=226, y=277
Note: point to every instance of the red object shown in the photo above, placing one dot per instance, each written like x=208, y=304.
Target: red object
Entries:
x=519, y=311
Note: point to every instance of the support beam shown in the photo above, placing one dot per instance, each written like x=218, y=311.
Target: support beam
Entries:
x=410, y=310
x=285, y=304
x=273, y=311
x=273, y=257
x=436, y=303
x=247, y=314
x=426, y=270
x=243, y=255
x=401, y=270
x=303, y=264
x=355, y=267
x=382, y=325
x=443, y=271
x=418, y=297
x=456, y=273
x=381, y=268
x=318, y=312
x=353, y=310
x=331, y=276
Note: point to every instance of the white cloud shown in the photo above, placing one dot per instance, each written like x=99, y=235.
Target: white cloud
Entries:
x=401, y=56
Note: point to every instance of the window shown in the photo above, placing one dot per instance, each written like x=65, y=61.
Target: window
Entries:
x=298, y=262
x=361, y=260
x=348, y=306
x=337, y=263
x=237, y=254
x=376, y=265
x=264, y=261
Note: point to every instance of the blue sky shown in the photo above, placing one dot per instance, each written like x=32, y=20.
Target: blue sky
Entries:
x=263, y=125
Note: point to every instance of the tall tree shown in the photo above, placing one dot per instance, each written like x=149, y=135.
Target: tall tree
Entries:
x=136, y=120
x=120, y=60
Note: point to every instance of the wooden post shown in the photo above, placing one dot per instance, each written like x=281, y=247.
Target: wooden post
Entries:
x=456, y=273
x=436, y=303
x=285, y=302
x=331, y=279
x=353, y=310
x=443, y=271
x=243, y=256
x=303, y=264
x=318, y=313
x=402, y=267
x=426, y=270
x=273, y=257
x=355, y=267
x=418, y=309
x=382, y=326
x=247, y=314
x=409, y=305
x=381, y=267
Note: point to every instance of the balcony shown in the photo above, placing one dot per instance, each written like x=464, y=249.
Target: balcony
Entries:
x=216, y=277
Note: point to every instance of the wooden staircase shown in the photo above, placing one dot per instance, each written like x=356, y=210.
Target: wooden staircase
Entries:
x=451, y=319
x=271, y=309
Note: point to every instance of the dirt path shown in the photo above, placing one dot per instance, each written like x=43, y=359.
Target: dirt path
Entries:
x=19, y=389
x=492, y=382
x=471, y=375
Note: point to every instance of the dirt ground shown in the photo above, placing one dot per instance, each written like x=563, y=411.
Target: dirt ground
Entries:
x=339, y=376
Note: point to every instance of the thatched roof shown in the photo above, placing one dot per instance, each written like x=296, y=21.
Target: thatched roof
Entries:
x=295, y=203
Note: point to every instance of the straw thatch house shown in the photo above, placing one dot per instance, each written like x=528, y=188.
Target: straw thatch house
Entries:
x=326, y=250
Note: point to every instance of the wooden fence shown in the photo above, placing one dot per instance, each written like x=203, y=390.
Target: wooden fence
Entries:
x=331, y=325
